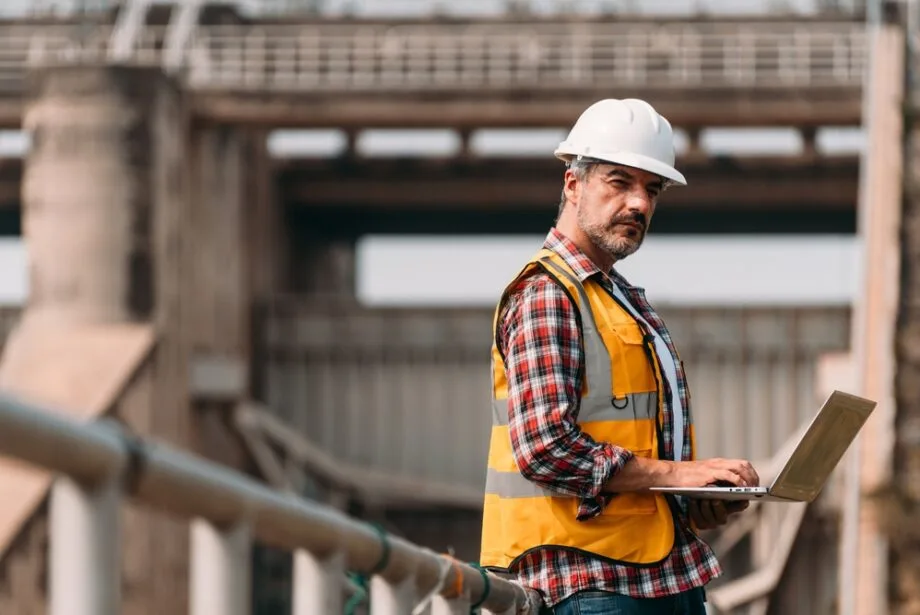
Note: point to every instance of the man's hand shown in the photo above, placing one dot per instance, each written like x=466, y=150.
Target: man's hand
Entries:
x=706, y=472
x=640, y=473
x=709, y=514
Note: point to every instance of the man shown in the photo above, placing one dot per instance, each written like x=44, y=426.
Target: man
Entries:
x=590, y=400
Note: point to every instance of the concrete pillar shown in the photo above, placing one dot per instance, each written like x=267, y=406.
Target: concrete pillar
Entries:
x=694, y=147
x=809, y=141
x=465, y=135
x=350, y=152
x=141, y=225
x=865, y=573
x=87, y=194
x=323, y=267
x=104, y=190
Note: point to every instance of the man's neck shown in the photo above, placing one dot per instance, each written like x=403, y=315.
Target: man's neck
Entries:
x=573, y=233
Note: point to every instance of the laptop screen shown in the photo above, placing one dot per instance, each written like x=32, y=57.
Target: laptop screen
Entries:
x=823, y=445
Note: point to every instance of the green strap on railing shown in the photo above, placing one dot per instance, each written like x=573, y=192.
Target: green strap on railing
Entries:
x=360, y=580
x=474, y=608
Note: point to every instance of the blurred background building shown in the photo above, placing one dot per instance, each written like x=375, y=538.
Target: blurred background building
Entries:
x=281, y=192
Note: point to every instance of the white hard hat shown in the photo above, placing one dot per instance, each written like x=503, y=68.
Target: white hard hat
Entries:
x=628, y=132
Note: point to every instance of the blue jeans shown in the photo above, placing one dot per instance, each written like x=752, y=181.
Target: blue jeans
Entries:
x=605, y=603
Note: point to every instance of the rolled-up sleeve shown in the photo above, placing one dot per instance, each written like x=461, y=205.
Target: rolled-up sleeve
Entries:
x=541, y=342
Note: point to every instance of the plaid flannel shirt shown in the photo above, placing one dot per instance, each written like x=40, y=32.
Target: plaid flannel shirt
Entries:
x=541, y=341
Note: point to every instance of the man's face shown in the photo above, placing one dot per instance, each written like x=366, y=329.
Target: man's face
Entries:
x=615, y=205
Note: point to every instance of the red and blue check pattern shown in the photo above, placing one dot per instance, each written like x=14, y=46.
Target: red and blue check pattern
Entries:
x=539, y=337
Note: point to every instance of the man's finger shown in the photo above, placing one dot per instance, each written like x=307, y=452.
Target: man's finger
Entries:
x=694, y=509
x=732, y=477
x=706, y=513
x=749, y=475
x=736, y=506
x=719, y=513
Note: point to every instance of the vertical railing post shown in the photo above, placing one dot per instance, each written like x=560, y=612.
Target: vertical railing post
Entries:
x=392, y=598
x=317, y=583
x=220, y=569
x=85, y=568
x=453, y=606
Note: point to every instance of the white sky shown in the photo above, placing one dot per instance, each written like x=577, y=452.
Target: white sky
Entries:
x=536, y=142
x=14, y=284
x=691, y=270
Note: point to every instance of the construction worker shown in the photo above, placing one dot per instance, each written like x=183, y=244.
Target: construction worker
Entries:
x=590, y=400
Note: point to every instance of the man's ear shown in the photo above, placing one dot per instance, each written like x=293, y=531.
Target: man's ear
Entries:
x=571, y=186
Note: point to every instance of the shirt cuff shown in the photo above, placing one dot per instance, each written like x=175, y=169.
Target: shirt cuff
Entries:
x=608, y=461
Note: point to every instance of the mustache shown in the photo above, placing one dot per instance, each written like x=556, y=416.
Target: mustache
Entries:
x=632, y=217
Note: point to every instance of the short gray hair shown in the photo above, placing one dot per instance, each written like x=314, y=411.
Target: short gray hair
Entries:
x=582, y=168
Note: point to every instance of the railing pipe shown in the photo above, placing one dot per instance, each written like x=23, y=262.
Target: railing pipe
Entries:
x=89, y=456
x=186, y=485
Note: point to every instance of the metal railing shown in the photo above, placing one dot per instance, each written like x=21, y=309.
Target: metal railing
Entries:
x=22, y=45
x=96, y=461
x=288, y=460
x=415, y=8
x=537, y=56
x=534, y=56
x=425, y=8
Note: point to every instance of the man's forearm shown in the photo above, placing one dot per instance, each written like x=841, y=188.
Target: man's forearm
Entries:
x=639, y=474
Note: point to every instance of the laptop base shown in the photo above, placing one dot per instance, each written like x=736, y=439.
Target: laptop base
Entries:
x=724, y=493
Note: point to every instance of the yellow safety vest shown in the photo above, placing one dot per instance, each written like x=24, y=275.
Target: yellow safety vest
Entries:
x=621, y=404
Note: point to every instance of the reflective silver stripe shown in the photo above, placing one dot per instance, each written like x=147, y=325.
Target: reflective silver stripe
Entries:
x=597, y=358
x=513, y=485
x=499, y=412
x=632, y=407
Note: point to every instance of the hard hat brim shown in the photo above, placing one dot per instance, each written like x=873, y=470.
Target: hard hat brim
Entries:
x=629, y=159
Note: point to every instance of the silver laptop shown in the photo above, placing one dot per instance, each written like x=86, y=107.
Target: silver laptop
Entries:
x=821, y=447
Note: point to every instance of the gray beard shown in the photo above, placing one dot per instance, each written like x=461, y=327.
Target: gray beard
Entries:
x=616, y=247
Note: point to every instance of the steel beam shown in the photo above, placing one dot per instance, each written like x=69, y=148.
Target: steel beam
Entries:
x=521, y=184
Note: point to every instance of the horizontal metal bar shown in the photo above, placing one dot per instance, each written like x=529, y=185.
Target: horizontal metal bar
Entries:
x=30, y=433
x=183, y=484
x=373, y=484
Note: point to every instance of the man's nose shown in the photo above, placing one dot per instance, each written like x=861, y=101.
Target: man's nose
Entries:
x=640, y=202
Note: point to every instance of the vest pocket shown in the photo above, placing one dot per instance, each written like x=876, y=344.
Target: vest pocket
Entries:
x=633, y=502
x=629, y=360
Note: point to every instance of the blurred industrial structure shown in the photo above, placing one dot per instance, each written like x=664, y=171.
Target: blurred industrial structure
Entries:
x=191, y=284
